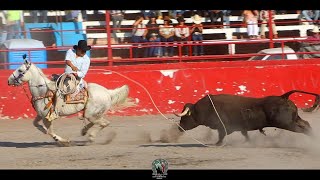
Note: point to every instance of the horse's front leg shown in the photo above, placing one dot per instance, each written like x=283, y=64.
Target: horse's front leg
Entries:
x=38, y=126
x=60, y=140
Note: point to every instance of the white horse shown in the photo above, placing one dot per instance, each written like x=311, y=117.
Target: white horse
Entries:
x=100, y=100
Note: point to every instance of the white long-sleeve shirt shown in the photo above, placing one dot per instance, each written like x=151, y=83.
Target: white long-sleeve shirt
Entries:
x=82, y=63
x=182, y=30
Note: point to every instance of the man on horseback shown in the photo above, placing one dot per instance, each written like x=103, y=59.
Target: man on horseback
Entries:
x=77, y=64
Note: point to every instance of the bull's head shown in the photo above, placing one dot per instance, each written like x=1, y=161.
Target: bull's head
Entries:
x=187, y=116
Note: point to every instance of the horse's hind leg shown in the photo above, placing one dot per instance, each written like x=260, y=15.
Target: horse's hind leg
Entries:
x=60, y=140
x=98, y=125
x=86, y=128
x=38, y=126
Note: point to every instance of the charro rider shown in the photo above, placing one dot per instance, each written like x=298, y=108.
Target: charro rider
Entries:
x=77, y=63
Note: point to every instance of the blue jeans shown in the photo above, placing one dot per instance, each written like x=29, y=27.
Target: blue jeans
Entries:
x=136, y=40
x=165, y=48
x=185, y=48
x=154, y=50
x=197, y=49
x=308, y=18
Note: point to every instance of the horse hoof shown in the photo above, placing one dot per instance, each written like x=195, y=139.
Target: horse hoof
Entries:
x=83, y=132
x=64, y=143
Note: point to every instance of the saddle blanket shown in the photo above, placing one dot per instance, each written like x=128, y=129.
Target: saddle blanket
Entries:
x=77, y=97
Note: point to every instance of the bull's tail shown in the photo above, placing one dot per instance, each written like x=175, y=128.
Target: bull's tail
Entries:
x=315, y=104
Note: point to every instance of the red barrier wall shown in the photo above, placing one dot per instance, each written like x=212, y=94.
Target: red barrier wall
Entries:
x=173, y=85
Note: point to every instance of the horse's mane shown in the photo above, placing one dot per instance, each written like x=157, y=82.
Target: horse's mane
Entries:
x=51, y=84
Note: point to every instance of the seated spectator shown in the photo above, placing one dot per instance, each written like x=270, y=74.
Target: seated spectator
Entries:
x=264, y=17
x=153, y=37
x=250, y=19
x=147, y=15
x=176, y=13
x=43, y=16
x=139, y=33
x=166, y=35
x=214, y=16
x=315, y=38
x=310, y=15
x=182, y=33
x=197, y=37
x=72, y=16
x=226, y=17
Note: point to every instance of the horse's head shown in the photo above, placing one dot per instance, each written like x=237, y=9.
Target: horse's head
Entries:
x=21, y=74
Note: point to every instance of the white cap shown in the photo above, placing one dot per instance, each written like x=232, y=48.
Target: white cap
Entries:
x=315, y=29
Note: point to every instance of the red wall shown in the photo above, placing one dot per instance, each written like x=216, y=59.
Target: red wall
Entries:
x=172, y=85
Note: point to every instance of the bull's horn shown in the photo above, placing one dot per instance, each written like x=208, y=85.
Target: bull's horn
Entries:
x=186, y=110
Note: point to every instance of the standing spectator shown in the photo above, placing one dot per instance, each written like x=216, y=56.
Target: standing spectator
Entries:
x=214, y=16
x=153, y=37
x=250, y=18
x=197, y=37
x=264, y=17
x=182, y=32
x=139, y=33
x=14, y=20
x=3, y=28
x=166, y=35
x=311, y=15
x=117, y=17
x=43, y=16
x=84, y=15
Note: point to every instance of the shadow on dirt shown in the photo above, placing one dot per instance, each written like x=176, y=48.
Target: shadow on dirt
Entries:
x=26, y=144
x=171, y=145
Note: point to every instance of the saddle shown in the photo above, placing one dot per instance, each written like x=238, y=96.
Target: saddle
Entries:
x=78, y=96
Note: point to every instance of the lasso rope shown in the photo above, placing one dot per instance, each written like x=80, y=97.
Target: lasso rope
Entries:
x=60, y=86
x=172, y=118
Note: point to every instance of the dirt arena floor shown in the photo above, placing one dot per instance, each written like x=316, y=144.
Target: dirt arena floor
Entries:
x=134, y=142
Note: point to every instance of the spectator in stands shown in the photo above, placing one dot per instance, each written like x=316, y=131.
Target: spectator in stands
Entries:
x=14, y=20
x=117, y=17
x=226, y=17
x=311, y=15
x=251, y=20
x=182, y=33
x=214, y=16
x=167, y=35
x=147, y=15
x=153, y=37
x=315, y=38
x=43, y=16
x=84, y=15
x=3, y=28
x=139, y=33
x=264, y=17
x=72, y=16
x=197, y=37
x=176, y=13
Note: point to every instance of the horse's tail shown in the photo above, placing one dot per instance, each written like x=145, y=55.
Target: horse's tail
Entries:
x=119, y=95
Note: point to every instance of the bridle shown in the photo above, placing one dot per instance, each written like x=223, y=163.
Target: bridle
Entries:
x=16, y=79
